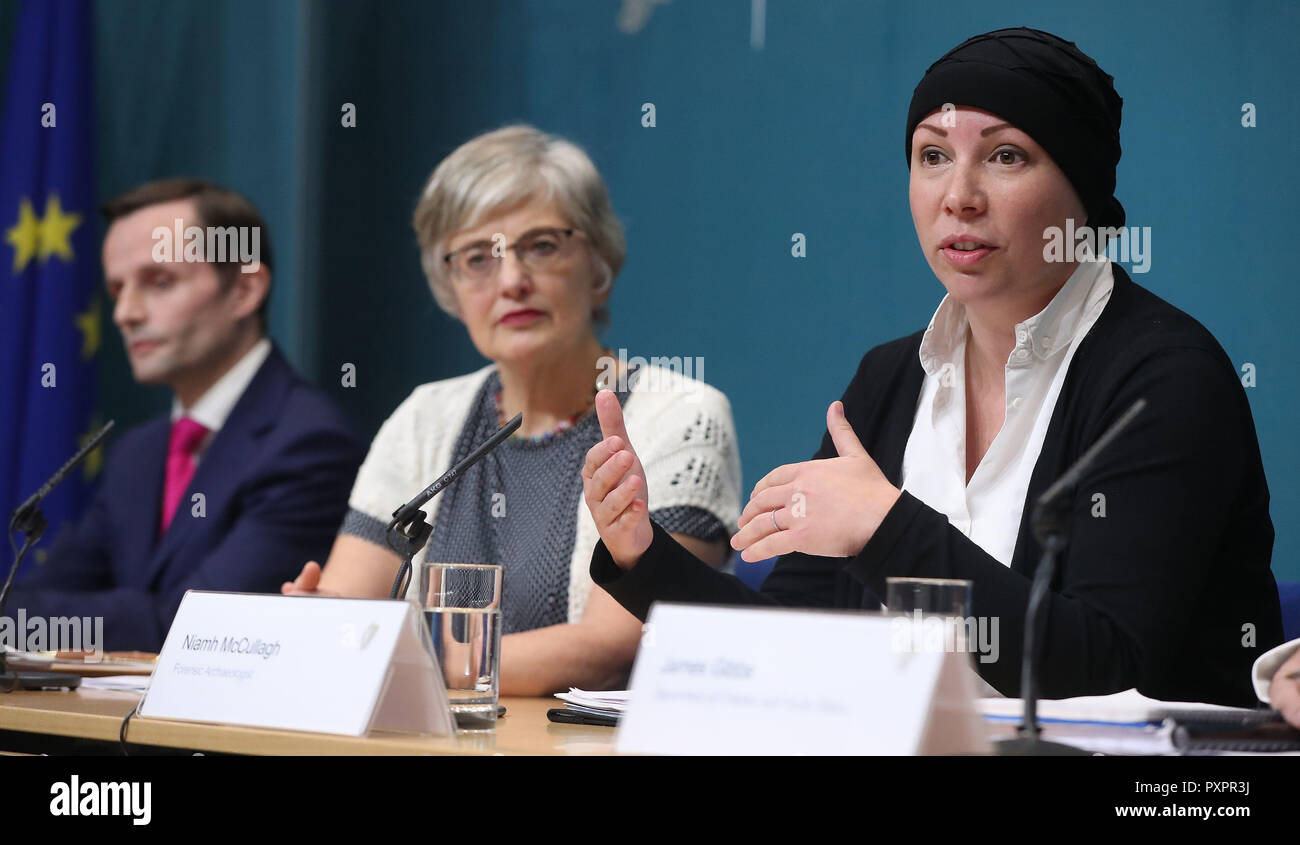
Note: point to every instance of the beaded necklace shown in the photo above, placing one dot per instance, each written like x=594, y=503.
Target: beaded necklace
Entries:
x=560, y=428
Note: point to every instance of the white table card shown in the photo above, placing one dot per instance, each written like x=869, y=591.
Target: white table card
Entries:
x=727, y=680
x=333, y=665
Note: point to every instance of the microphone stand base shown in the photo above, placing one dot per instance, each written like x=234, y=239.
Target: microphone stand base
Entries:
x=1025, y=747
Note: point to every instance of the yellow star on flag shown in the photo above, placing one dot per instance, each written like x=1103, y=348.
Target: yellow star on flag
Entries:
x=56, y=229
x=88, y=324
x=25, y=235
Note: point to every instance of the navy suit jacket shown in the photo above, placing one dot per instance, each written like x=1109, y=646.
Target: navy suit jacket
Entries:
x=275, y=481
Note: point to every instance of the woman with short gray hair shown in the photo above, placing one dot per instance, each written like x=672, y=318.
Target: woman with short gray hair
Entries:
x=519, y=242
x=509, y=167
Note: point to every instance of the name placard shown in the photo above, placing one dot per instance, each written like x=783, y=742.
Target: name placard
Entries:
x=726, y=680
x=340, y=666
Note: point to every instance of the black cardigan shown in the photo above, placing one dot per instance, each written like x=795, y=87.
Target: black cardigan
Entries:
x=1170, y=592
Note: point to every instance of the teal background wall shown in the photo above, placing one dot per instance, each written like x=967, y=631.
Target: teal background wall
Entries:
x=794, y=126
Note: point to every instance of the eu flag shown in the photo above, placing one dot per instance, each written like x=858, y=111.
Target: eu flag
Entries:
x=49, y=309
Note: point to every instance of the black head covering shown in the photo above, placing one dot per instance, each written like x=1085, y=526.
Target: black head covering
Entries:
x=1045, y=86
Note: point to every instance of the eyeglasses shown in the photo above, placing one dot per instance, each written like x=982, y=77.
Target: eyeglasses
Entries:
x=538, y=250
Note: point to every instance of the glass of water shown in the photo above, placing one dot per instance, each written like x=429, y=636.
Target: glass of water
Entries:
x=947, y=601
x=462, y=604
x=931, y=596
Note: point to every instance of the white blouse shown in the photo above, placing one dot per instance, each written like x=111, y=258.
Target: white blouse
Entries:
x=988, y=509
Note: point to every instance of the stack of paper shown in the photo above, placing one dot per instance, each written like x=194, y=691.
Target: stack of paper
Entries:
x=1122, y=708
x=604, y=703
x=126, y=683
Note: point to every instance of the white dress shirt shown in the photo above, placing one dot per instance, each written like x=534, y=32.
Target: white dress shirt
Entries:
x=988, y=509
x=214, y=406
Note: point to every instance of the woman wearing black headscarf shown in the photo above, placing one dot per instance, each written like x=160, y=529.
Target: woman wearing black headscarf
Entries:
x=945, y=438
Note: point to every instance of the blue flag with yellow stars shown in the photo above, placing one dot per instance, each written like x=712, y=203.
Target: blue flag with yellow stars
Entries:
x=49, y=268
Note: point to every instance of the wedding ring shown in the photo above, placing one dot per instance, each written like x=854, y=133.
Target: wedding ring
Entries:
x=774, y=522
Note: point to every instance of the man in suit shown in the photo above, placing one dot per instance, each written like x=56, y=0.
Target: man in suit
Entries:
x=248, y=476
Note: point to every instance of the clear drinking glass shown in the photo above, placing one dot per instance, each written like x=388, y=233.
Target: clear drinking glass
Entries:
x=462, y=605
x=924, y=599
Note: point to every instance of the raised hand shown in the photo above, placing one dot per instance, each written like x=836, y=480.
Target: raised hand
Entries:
x=1284, y=692
x=614, y=486
x=830, y=507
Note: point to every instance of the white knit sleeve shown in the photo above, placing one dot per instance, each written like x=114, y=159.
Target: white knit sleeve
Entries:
x=686, y=441
x=393, y=470
x=413, y=445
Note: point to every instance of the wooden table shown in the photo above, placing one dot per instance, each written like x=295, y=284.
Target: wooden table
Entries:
x=97, y=715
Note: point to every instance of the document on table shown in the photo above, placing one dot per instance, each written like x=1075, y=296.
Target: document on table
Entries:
x=1123, y=723
x=1129, y=707
x=602, y=703
x=127, y=683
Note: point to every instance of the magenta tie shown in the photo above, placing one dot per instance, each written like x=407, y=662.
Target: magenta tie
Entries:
x=185, y=439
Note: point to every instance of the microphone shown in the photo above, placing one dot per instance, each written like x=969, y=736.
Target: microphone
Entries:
x=27, y=516
x=28, y=519
x=1051, y=525
x=408, y=532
